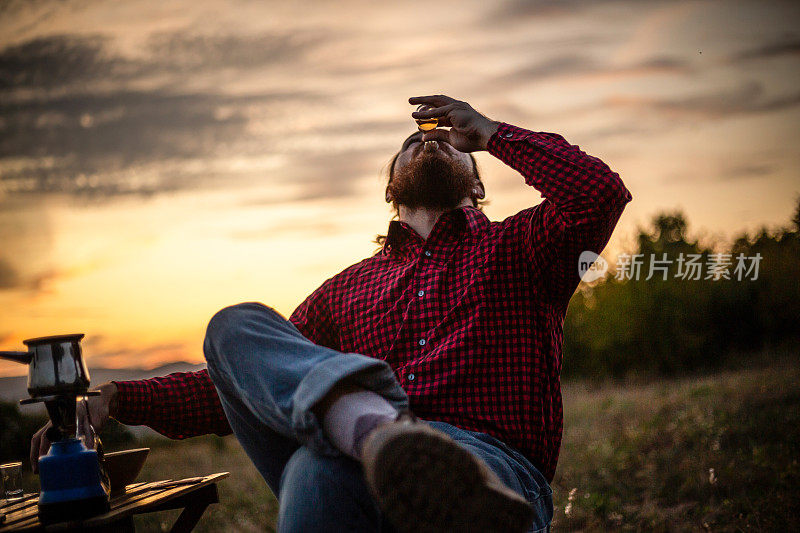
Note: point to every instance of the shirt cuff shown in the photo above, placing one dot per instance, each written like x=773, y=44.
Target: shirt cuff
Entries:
x=506, y=133
x=134, y=402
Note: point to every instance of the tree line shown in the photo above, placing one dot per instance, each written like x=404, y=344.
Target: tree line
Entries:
x=653, y=315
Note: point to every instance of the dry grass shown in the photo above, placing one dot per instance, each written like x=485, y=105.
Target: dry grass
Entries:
x=635, y=457
x=246, y=504
x=716, y=453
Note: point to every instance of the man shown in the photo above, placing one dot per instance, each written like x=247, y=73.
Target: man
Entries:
x=456, y=320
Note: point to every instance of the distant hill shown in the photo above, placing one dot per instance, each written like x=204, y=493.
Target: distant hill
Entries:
x=15, y=388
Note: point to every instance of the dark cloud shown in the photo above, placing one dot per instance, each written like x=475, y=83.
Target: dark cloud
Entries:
x=783, y=48
x=661, y=64
x=60, y=61
x=138, y=124
x=617, y=130
x=746, y=171
x=417, y=65
x=580, y=65
x=328, y=176
x=556, y=66
x=91, y=140
x=746, y=99
x=181, y=52
x=86, y=135
x=135, y=124
x=12, y=279
x=520, y=10
x=9, y=278
x=54, y=61
x=26, y=234
x=359, y=127
x=515, y=10
x=66, y=104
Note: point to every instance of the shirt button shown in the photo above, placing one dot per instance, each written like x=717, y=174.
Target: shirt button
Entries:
x=411, y=377
x=428, y=253
x=421, y=293
x=508, y=135
x=422, y=342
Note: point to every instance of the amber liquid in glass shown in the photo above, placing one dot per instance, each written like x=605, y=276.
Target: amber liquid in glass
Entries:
x=426, y=124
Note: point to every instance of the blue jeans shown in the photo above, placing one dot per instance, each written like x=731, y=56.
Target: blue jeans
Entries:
x=269, y=377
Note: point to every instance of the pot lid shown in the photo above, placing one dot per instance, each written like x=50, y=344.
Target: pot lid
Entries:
x=54, y=338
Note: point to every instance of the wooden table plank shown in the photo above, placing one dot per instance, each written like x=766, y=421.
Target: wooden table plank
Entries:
x=159, y=494
x=138, y=498
x=12, y=504
x=19, y=510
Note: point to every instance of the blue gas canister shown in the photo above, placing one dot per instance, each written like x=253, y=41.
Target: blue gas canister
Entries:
x=72, y=484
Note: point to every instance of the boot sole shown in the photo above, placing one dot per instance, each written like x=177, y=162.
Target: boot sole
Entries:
x=426, y=483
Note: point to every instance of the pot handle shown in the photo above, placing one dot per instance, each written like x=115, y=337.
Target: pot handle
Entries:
x=19, y=357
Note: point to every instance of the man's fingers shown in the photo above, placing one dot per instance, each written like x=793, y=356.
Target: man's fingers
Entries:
x=439, y=113
x=436, y=112
x=85, y=432
x=34, y=452
x=44, y=444
x=39, y=446
x=443, y=122
x=436, y=100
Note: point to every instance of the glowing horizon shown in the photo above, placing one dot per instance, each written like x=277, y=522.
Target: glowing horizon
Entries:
x=160, y=162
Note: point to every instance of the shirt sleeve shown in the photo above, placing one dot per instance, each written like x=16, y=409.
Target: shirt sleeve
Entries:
x=314, y=319
x=179, y=405
x=583, y=200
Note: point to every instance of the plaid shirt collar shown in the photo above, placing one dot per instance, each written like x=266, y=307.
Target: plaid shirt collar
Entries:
x=403, y=242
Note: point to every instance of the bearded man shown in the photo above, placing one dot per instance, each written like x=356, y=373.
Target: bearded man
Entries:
x=419, y=389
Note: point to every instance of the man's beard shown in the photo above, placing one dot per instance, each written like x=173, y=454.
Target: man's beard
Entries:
x=432, y=180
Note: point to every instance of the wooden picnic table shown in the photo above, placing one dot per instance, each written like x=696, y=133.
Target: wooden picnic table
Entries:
x=193, y=495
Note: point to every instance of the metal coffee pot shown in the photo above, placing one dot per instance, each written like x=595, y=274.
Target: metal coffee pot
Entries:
x=55, y=365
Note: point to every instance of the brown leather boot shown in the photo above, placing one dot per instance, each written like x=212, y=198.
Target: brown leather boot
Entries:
x=425, y=482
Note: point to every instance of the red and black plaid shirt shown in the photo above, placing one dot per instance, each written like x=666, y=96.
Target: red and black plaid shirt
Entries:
x=470, y=319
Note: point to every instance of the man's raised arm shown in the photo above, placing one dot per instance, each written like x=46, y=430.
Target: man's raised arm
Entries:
x=583, y=197
x=583, y=200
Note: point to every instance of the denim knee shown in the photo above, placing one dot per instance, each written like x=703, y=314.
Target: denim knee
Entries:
x=325, y=493
x=225, y=323
x=229, y=317
x=308, y=472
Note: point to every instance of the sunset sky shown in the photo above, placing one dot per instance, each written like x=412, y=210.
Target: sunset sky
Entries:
x=160, y=160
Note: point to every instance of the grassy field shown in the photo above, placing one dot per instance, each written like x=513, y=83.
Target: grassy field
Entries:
x=717, y=453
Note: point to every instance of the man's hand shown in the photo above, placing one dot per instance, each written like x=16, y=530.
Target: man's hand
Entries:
x=470, y=131
x=100, y=409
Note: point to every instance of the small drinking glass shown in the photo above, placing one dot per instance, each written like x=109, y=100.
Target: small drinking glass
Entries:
x=426, y=124
x=12, y=480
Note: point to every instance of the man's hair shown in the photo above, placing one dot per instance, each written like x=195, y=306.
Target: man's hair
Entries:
x=478, y=203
